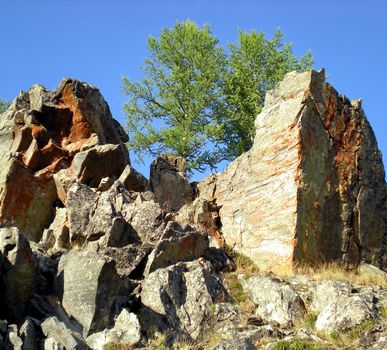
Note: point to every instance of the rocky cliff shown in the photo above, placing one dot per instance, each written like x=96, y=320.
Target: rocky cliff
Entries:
x=311, y=189
x=94, y=255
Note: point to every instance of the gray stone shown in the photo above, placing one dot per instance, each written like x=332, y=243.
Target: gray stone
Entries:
x=234, y=344
x=57, y=330
x=145, y=216
x=13, y=340
x=28, y=335
x=276, y=302
x=326, y=291
x=180, y=298
x=177, y=244
x=126, y=332
x=89, y=286
x=375, y=337
x=345, y=312
x=57, y=236
x=92, y=165
x=19, y=272
x=80, y=202
x=133, y=180
x=169, y=183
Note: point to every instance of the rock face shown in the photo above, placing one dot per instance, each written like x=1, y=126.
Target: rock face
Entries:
x=312, y=187
x=45, y=132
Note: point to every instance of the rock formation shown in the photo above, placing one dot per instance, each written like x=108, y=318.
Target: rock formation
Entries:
x=94, y=256
x=69, y=132
x=312, y=187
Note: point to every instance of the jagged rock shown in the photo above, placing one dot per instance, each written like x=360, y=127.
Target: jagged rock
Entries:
x=204, y=215
x=40, y=133
x=126, y=332
x=52, y=344
x=57, y=235
x=57, y=330
x=276, y=302
x=180, y=297
x=28, y=335
x=19, y=272
x=177, y=244
x=13, y=340
x=234, y=344
x=92, y=165
x=133, y=180
x=128, y=259
x=345, y=312
x=169, y=182
x=326, y=291
x=145, y=216
x=89, y=286
x=375, y=337
x=312, y=187
x=105, y=184
x=26, y=200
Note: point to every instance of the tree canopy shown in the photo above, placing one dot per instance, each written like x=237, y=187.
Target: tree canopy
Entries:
x=199, y=100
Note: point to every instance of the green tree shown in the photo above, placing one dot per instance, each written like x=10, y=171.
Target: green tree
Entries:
x=172, y=109
x=198, y=102
x=256, y=66
x=4, y=104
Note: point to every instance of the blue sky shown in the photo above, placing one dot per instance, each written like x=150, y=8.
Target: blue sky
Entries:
x=98, y=41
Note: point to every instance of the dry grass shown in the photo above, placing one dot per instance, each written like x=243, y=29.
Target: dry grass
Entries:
x=335, y=271
x=243, y=263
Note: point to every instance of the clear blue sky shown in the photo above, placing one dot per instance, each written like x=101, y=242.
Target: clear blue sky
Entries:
x=98, y=41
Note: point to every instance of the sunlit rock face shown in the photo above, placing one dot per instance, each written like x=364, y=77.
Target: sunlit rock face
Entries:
x=312, y=187
x=69, y=132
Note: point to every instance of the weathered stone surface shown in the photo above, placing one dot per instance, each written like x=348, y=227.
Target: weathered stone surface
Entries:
x=128, y=259
x=234, y=344
x=144, y=215
x=133, y=180
x=179, y=297
x=326, y=291
x=25, y=200
x=204, y=215
x=57, y=236
x=177, y=244
x=374, y=338
x=57, y=330
x=126, y=332
x=169, y=182
x=276, y=302
x=312, y=188
x=88, y=286
x=19, y=273
x=28, y=335
x=40, y=134
x=80, y=201
x=92, y=165
x=345, y=312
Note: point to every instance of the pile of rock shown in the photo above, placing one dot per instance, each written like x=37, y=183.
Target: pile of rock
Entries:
x=92, y=253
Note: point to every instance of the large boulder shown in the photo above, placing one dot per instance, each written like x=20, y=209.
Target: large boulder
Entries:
x=312, y=188
x=177, y=244
x=89, y=287
x=19, y=273
x=180, y=298
x=41, y=134
x=276, y=302
x=169, y=182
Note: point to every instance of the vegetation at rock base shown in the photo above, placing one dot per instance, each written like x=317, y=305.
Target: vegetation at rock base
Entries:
x=295, y=344
x=199, y=100
x=4, y=104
